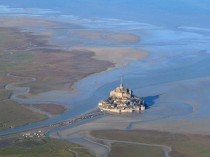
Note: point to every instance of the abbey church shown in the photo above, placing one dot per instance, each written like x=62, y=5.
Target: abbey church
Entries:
x=122, y=100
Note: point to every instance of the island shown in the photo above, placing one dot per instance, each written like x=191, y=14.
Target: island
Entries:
x=122, y=100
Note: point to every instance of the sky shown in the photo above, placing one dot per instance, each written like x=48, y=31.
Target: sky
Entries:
x=171, y=13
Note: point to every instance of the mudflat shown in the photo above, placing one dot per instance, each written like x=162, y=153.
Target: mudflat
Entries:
x=35, y=61
x=52, y=69
x=182, y=145
x=117, y=55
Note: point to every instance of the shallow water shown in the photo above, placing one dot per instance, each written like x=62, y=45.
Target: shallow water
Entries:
x=176, y=54
x=169, y=13
x=161, y=67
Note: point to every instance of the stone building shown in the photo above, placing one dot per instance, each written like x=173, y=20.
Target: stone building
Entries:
x=121, y=92
x=122, y=100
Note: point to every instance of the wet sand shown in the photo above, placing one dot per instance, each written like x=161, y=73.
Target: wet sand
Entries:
x=174, y=79
x=107, y=37
x=48, y=110
x=52, y=71
x=160, y=68
x=119, y=56
x=175, y=76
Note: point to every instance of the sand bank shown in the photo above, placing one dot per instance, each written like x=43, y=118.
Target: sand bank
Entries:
x=32, y=22
x=107, y=37
x=116, y=55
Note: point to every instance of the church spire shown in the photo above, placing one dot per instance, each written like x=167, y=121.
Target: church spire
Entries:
x=121, y=83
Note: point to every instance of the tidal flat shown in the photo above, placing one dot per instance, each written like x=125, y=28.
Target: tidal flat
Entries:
x=52, y=66
x=166, y=66
x=173, y=79
x=181, y=144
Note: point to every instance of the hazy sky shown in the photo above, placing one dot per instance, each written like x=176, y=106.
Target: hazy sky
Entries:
x=160, y=12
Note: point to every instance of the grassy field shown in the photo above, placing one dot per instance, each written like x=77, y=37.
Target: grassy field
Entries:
x=183, y=145
x=125, y=150
x=22, y=55
x=53, y=68
x=42, y=147
x=51, y=109
x=13, y=115
x=4, y=94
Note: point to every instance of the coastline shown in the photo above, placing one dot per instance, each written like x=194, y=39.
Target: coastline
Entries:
x=116, y=55
x=153, y=61
x=99, y=60
x=75, y=56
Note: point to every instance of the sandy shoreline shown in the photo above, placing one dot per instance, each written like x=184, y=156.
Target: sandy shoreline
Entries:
x=39, y=47
x=119, y=56
x=75, y=61
x=176, y=84
x=50, y=67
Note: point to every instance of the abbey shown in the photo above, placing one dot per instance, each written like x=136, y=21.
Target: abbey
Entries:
x=122, y=100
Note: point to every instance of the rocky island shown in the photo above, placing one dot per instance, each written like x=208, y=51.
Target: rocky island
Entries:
x=122, y=100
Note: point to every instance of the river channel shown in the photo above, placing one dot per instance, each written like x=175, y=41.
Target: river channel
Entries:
x=174, y=55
